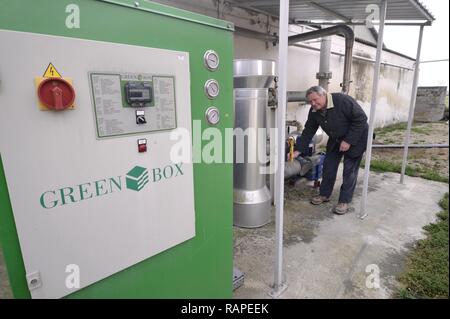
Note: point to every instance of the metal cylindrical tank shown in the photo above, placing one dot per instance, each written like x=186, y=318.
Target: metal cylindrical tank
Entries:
x=252, y=199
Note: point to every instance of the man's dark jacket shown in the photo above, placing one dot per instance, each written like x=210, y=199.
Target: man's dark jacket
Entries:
x=346, y=121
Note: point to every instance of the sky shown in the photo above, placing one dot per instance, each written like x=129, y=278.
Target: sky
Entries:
x=435, y=43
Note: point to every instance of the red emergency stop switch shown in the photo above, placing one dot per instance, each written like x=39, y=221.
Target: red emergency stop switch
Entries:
x=56, y=94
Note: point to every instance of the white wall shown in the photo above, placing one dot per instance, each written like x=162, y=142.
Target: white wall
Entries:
x=395, y=83
x=394, y=87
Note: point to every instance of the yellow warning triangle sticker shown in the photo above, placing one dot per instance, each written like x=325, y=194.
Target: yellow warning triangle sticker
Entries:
x=51, y=72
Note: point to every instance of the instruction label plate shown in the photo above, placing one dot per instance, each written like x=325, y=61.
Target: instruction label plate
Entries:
x=114, y=117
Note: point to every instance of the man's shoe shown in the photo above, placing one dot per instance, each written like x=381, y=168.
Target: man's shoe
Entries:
x=341, y=208
x=317, y=200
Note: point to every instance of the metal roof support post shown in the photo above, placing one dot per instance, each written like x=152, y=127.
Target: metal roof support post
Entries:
x=412, y=106
x=279, y=285
x=373, y=104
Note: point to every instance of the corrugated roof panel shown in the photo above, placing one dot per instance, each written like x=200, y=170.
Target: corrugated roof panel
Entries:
x=398, y=10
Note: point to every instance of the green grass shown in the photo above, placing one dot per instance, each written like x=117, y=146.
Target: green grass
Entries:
x=432, y=175
x=400, y=128
x=388, y=166
x=420, y=130
x=417, y=170
x=426, y=274
x=391, y=128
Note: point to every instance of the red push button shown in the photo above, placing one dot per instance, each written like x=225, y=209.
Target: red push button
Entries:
x=142, y=145
x=56, y=94
x=142, y=148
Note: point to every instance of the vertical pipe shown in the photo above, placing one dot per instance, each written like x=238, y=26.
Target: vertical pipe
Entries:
x=324, y=67
x=373, y=104
x=349, y=41
x=412, y=106
x=279, y=286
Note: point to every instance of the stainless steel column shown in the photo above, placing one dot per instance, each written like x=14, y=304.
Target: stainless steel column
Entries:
x=252, y=200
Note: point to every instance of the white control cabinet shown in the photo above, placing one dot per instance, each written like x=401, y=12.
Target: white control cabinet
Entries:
x=86, y=202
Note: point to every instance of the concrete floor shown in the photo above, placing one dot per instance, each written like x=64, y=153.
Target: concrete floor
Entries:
x=5, y=289
x=326, y=255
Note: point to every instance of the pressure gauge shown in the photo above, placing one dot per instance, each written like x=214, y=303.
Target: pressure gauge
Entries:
x=211, y=60
x=212, y=115
x=212, y=88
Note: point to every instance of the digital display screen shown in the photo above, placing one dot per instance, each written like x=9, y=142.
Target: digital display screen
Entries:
x=138, y=93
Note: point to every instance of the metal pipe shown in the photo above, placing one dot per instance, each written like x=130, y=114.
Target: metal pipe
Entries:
x=349, y=35
x=442, y=60
x=279, y=285
x=295, y=123
x=256, y=35
x=412, y=106
x=355, y=57
x=410, y=146
x=373, y=104
x=356, y=22
x=252, y=79
x=296, y=96
x=300, y=168
x=324, y=73
x=274, y=39
x=292, y=168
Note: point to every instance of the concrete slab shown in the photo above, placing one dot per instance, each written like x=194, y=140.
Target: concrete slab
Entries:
x=5, y=288
x=331, y=256
x=325, y=255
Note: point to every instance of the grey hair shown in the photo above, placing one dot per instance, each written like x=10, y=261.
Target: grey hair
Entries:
x=316, y=89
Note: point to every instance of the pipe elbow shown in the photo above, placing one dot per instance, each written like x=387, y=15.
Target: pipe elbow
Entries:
x=346, y=31
x=340, y=29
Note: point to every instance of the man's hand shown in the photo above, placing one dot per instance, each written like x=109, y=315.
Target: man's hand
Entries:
x=344, y=146
x=295, y=155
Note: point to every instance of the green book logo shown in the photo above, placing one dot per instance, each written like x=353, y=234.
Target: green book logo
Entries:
x=137, y=178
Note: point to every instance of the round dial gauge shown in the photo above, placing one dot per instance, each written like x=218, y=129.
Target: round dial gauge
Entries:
x=212, y=115
x=212, y=88
x=211, y=60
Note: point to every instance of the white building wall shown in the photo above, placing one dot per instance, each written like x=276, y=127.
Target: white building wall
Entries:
x=394, y=87
x=362, y=32
x=395, y=83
